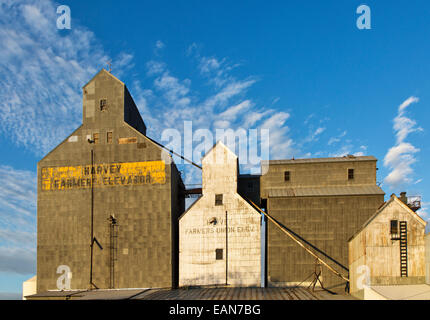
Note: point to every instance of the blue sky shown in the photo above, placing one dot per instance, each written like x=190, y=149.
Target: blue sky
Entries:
x=299, y=68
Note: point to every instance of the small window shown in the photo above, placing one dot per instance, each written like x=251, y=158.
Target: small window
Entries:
x=103, y=104
x=394, y=227
x=109, y=137
x=287, y=176
x=218, y=199
x=218, y=254
x=350, y=174
x=96, y=138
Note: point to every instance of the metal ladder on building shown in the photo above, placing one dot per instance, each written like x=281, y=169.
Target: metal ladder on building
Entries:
x=403, y=249
x=113, y=228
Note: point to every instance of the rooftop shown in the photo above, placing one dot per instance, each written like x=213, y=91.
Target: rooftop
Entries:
x=198, y=293
x=325, y=191
x=321, y=160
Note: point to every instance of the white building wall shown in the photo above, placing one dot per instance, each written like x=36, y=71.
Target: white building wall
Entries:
x=202, y=229
x=427, y=239
x=29, y=287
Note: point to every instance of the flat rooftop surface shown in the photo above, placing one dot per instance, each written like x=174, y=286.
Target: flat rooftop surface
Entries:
x=404, y=292
x=223, y=293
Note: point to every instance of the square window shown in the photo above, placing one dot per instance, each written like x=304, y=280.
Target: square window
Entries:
x=109, y=137
x=287, y=176
x=218, y=254
x=218, y=199
x=394, y=227
x=96, y=138
x=103, y=104
x=350, y=174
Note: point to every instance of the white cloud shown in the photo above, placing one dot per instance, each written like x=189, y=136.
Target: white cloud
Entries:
x=233, y=88
x=18, y=220
x=250, y=118
x=159, y=44
x=155, y=67
x=221, y=124
x=42, y=72
x=124, y=62
x=314, y=136
x=402, y=124
x=175, y=91
x=17, y=260
x=407, y=103
x=281, y=146
x=209, y=64
x=337, y=138
x=399, y=158
x=342, y=152
x=223, y=105
x=232, y=112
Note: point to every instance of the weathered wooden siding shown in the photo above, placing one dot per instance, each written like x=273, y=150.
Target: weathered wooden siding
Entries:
x=373, y=249
x=427, y=239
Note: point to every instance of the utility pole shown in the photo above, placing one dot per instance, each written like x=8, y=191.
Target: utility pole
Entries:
x=93, y=239
x=92, y=217
x=226, y=249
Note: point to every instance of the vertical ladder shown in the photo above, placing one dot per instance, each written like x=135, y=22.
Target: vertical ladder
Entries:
x=403, y=249
x=113, y=250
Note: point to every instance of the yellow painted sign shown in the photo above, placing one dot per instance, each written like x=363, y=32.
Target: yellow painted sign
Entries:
x=100, y=175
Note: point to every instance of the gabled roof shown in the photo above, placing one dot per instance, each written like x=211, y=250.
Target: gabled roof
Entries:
x=148, y=138
x=189, y=208
x=61, y=143
x=393, y=198
x=106, y=72
x=219, y=143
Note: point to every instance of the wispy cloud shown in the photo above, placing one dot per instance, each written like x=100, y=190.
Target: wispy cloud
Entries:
x=225, y=102
x=314, y=135
x=159, y=44
x=18, y=220
x=17, y=260
x=400, y=158
x=42, y=71
x=234, y=111
x=337, y=138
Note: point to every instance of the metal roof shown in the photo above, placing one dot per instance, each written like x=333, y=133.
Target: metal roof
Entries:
x=325, y=191
x=403, y=292
x=322, y=160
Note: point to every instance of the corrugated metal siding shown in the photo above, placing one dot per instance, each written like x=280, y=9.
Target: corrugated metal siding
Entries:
x=325, y=191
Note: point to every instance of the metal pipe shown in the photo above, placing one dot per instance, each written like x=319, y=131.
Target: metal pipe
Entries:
x=298, y=242
x=173, y=152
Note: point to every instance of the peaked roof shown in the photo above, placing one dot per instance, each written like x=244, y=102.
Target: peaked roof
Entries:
x=103, y=70
x=219, y=143
x=393, y=198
